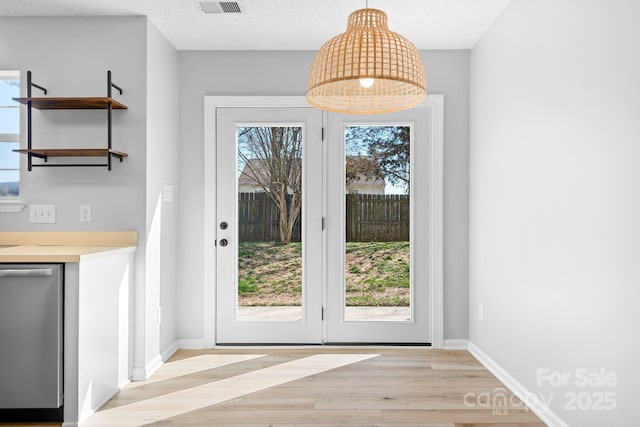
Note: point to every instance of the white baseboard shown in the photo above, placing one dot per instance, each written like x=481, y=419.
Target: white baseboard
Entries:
x=537, y=405
x=181, y=344
x=141, y=374
x=169, y=351
x=193, y=344
x=153, y=365
x=138, y=374
x=456, y=344
x=85, y=417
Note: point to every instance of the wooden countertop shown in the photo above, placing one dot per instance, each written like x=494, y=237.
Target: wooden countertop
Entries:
x=63, y=246
x=75, y=253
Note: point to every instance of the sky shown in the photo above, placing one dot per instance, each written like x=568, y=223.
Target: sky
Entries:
x=390, y=188
x=9, y=124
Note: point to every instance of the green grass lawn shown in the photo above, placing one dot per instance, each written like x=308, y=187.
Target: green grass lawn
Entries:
x=377, y=274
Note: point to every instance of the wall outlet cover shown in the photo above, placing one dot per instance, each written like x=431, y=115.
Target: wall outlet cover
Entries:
x=42, y=214
x=85, y=213
x=167, y=193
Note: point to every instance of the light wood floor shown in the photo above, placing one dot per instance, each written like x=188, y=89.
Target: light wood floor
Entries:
x=328, y=386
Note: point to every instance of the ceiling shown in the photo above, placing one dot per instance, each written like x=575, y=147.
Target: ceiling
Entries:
x=283, y=24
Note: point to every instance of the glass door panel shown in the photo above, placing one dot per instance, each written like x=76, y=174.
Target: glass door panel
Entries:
x=268, y=279
x=376, y=252
x=270, y=202
x=377, y=223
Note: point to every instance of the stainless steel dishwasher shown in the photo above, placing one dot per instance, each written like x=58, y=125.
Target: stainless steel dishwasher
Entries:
x=31, y=342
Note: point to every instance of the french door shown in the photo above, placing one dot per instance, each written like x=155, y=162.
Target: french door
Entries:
x=377, y=236
x=269, y=217
x=321, y=241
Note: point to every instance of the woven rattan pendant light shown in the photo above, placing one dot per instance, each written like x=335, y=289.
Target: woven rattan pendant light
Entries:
x=367, y=69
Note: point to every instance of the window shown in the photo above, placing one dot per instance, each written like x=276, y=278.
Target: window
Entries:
x=9, y=134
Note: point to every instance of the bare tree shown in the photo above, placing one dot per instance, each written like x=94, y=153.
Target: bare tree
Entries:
x=388, y=150
x=272, y=158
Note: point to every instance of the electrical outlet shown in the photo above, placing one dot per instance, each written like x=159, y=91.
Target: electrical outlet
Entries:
x=85, y=213
x=167, y=193
x=42, y=214
x=480, y=311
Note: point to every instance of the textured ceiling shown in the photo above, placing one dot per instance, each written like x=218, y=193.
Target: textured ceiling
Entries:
x=283, y=24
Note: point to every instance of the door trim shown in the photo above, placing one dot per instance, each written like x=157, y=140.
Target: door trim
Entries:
x=433, y=106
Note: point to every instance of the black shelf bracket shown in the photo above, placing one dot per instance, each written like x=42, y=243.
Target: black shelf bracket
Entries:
x=31, y=84
x=40, y=156
x=117, y=156
x=110, y=85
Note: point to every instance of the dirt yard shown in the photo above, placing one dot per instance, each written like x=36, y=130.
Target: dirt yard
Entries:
x=377, y=274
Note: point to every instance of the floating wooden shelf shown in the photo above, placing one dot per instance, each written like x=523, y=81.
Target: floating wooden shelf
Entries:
x=71, y=152
x=97, y=103
x=94, y=103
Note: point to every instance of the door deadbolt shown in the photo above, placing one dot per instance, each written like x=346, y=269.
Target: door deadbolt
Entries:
x=224, y=242
x=223, y=225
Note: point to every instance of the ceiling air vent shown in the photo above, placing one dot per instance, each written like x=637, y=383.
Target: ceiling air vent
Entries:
x=220, y=7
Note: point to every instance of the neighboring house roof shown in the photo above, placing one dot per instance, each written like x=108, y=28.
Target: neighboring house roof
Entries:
x=252, y=169
x=362, y=171
x=253, y=173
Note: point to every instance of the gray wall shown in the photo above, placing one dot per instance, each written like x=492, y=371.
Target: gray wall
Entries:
x=285, y=73
x=555, y=199
x=70, y=56
x=162, y=169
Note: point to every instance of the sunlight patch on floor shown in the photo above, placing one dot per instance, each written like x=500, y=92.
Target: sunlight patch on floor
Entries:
x=195, y=398
x=192, y=365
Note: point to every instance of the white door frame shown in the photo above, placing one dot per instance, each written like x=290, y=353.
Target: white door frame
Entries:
x=433, y=106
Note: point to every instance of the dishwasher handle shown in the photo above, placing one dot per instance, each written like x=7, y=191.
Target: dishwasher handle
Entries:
x=26, y=272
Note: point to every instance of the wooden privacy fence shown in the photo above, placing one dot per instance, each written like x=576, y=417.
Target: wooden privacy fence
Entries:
x=258, y=218
x=377, y=218
x=369, y=217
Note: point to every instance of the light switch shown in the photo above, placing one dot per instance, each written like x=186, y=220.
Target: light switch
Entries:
x=42, y=214
x=85, y=213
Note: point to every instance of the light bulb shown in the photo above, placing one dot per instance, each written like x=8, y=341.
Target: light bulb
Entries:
x=367, y=82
